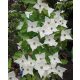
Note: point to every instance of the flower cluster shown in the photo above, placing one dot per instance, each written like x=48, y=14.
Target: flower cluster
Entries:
x=40, y=64
x=50, y=26
x=48, y=31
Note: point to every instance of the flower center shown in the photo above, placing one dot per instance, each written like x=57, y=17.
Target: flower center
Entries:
x=60, y=20
x=48, y=22
x=55, y=21
x=22, y=60
x=34, y=43
x=49, y=39
x=10, y=78
x=58, y=70
x=41, y=67
x=39, y=6
x=51, y=28
x=30, y=62
x=51, y=68
x=31, y=26
x=40, y=58
x=27, y=69
x=64, y=34
x=43, y=31
x=54, y=58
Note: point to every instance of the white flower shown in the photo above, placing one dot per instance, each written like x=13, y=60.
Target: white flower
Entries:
x=41, y=68
x=40, y=6
x=19, y=45
x=58, y=20
x=50, y=40
x=48, y=28
x=21, y=61
x=30, y=61
x=32, y=26
x=27, y=69
x=47, y=21
x=60, y=70
x=63, y=23
x=54, y=59
x=50, y=10
x=19, y=27
x=40, y=58
x=43, y=31
x=51, y=69
x=34, y=43
x=28, y=14
x=65, y=34
x=12, y=76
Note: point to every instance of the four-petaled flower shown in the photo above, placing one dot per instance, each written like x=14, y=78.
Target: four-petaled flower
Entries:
x=12, y=76
x=27, y=69
x=54, y=59
x=42, y=68
x=21, y=61
x=32, y=26
x=65, y=34
x=40, y=5
x=50, y=40
x=34, y=43
x=30, y=61
x=40, y=58
x=60, y=71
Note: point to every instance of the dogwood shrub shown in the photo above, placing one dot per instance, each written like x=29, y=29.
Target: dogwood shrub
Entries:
x=42, y=32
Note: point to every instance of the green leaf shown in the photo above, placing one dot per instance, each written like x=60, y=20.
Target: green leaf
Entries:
x=29, y=1
x=25, y=47
x=17, y=55
x=23, y=78
x=64, y=61
x=9, y=63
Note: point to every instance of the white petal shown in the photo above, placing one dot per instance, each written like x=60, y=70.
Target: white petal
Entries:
x=28, y=14
x=50, y=10
x=20, y=26
x=62, y=38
